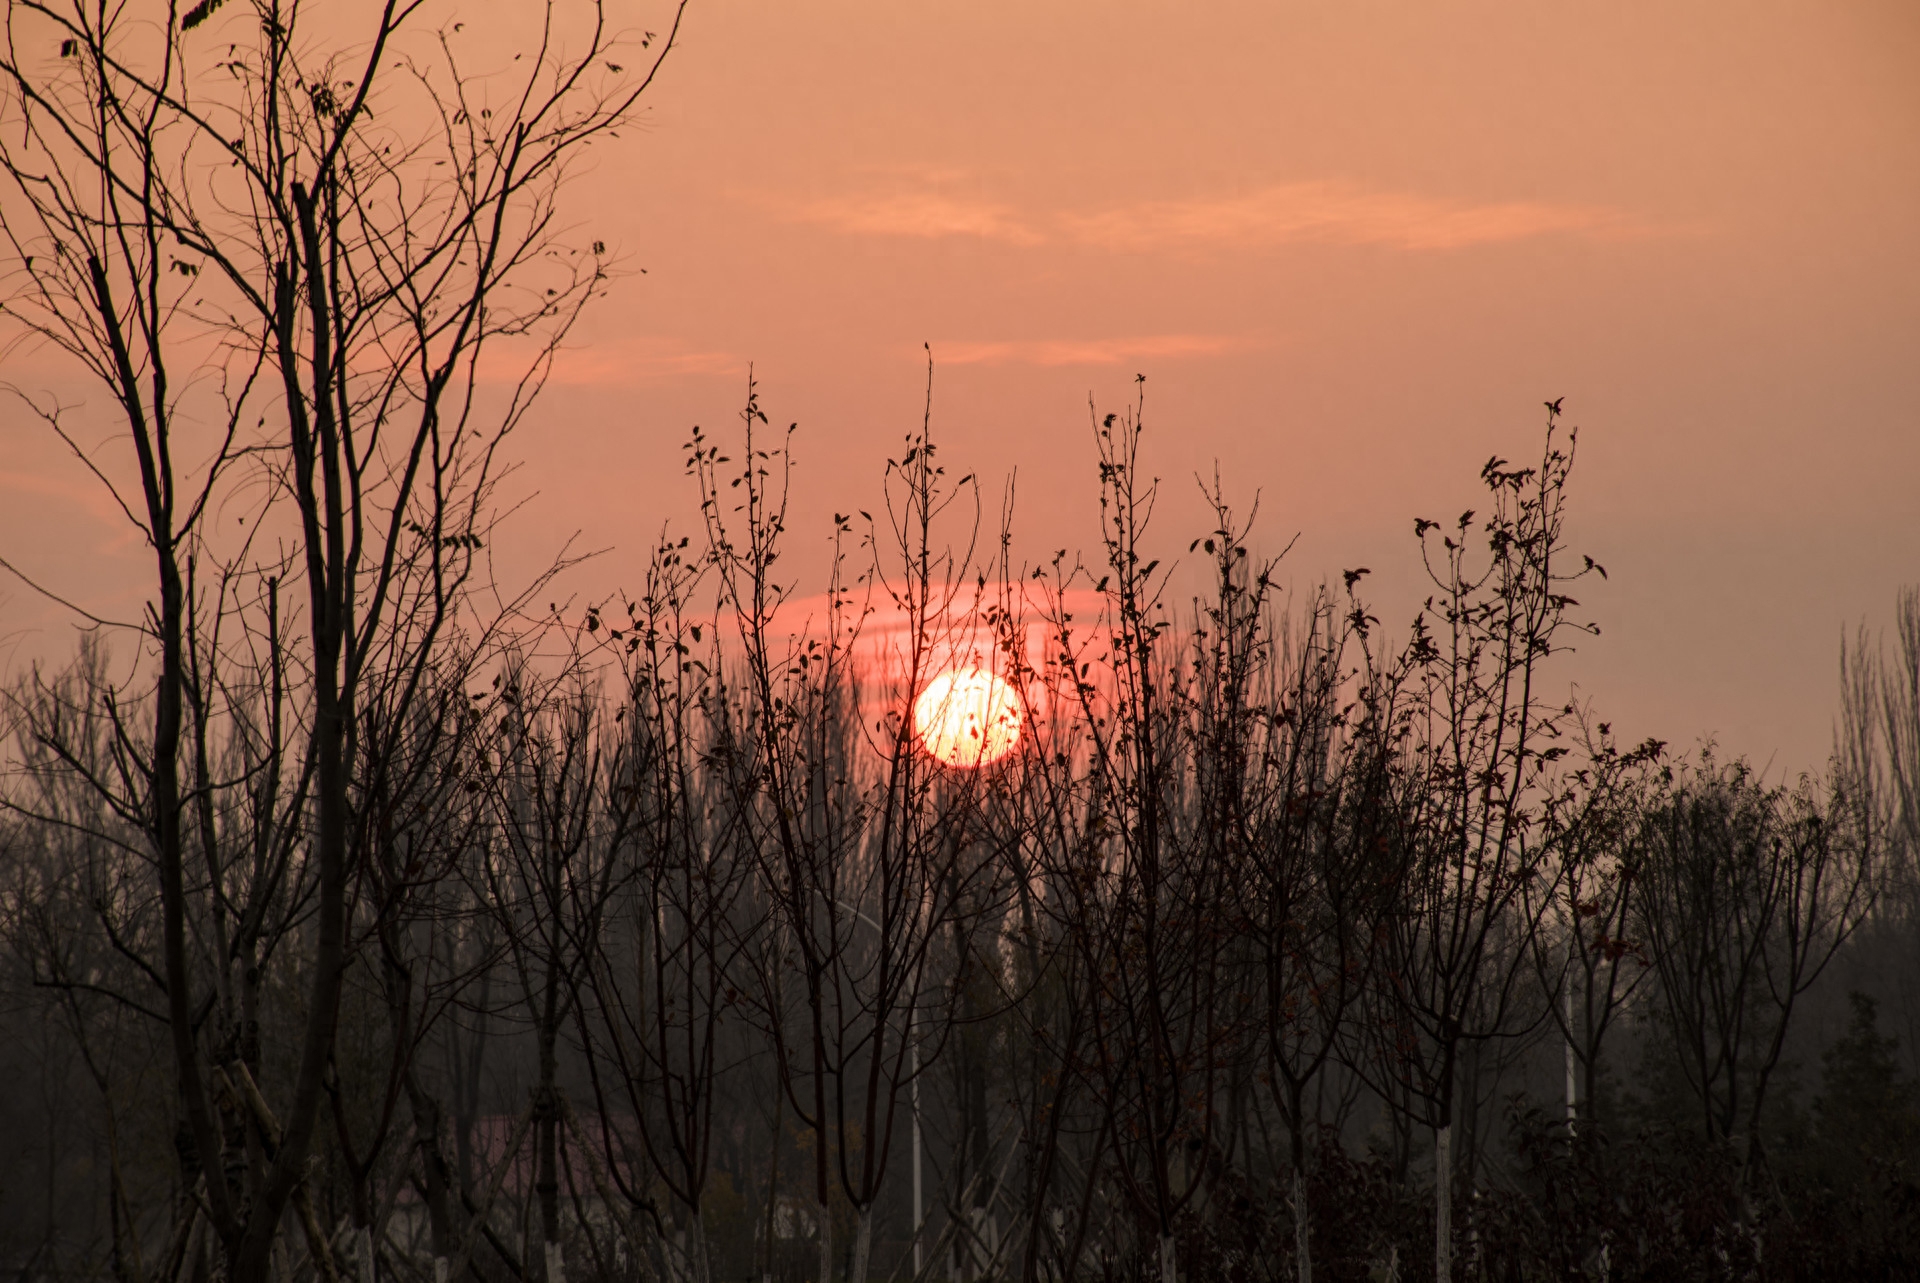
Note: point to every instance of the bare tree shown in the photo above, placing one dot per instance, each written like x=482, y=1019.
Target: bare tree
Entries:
x=666, y=981
x=1312, y=825
x=1594, y=963
x=863, y=859
x=1143, y=880
x=234, y=202
x=1877, y=765
x=1479, y=774
x=1745, y=896
x=1901, y=709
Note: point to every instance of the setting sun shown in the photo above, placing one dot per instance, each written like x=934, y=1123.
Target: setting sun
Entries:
x=967, y=718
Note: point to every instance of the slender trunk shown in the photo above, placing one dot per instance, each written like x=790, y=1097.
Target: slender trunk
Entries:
x=324, y=518
x=150, y=445
x=986, y=1241
x=1590, y=1079
x=1402, y=1145
x=547, y=1182
x=1572, y=1067
x=363, y=1253
x=773, y=1181
x=862, y=1243
x=821, y=1153
x=825, y=1216
x=172, y=859
x=1297, y=1144
x=436, y=1173
x=918, y=1217
x=193, y=1261
x=1466, y=1118
x=1167, y=1272
x=1302, y=1257
x=702, y=1262
x=1443, y=1203
x=685, y=1251
x=253, y=1259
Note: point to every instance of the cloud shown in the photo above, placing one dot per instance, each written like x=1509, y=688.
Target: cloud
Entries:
x=1337, y=213
x=77, y=495
x=647, y=358
x=1114, y=351
x=924, y=205
x=926, y=215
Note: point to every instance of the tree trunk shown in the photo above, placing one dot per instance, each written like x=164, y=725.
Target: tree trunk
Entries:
x=825, y=1215
x=1572, y=1066
x=363, y=1253
x=1302, y=1256
x=547, y=1180
x=697, y=1239
x=1167, y=1272
x=1297, y=1152
x=685, y=1252
x=773, y=1182
x=1443, y=1203
x=436, y=1175
x=862, y=1244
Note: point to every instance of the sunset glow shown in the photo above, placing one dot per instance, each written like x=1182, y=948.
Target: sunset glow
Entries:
x=967, y=718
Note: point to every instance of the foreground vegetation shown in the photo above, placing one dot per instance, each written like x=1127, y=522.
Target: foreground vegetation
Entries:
x=667, y=949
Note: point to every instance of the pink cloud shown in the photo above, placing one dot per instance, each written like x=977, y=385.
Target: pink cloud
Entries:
x=647, y=358
x=922, y=214
x=80, y=494
x=1087, y=351
x=924, y=205
x=1339, y=213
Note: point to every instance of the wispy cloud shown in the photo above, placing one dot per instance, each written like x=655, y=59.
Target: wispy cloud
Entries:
x=924, y=214
x=1337, y=212
x=646, y=358
x=70, y=495
x=1332, y=213
x=1112, y=351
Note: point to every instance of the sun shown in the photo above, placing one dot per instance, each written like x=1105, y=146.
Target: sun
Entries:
x=967, y=718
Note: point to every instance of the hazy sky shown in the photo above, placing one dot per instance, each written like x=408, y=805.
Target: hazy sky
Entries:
x=1353, y=246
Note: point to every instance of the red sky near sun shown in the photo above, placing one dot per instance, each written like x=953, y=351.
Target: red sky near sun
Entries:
x=1352, y=246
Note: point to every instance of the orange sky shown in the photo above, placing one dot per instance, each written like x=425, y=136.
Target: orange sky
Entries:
x=1352, y=245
